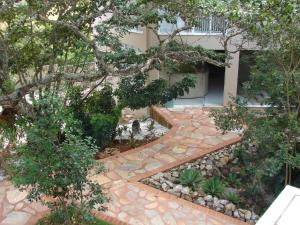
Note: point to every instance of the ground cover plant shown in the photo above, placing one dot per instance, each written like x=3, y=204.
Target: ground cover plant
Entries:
x=218, y=188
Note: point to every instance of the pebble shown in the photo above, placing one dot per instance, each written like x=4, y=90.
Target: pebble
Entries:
x=207, y=166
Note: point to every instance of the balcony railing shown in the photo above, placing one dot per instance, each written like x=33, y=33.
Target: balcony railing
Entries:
x=210, y=25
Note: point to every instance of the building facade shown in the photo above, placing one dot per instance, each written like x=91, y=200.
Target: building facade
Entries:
x=222, y=83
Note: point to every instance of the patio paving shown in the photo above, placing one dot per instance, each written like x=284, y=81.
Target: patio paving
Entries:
x=193, y=135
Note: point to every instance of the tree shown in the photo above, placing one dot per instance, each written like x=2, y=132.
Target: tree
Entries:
x=274, y=26
x=52, y=45
x=55, y=161
x=66, y=36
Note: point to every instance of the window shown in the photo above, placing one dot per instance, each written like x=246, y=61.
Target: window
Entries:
x=212, y=25
x=138, y=29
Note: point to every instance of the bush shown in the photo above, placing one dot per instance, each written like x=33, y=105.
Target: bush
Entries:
x=103, y=129
x=101, y=101
x=191, y=178
x=213, y=186
x=55, y=160
x=232, y=197
x=233, y=179
x=76, y=216
x=98, y=114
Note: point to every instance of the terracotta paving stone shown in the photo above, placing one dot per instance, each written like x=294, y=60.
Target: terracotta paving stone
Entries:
x=193, y=135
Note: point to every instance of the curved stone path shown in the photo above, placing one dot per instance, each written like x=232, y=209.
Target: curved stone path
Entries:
x=193, y=135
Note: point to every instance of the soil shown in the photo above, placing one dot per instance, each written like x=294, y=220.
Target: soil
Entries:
x=125, y=145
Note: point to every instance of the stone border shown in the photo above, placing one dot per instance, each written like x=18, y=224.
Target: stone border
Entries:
x=190, y=204
x=161, y=117
x=163, y=120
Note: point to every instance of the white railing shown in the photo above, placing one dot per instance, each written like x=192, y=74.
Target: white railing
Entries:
x=210, y=25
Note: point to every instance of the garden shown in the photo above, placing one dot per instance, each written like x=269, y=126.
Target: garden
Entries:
x=216, y=181
x=59, y=113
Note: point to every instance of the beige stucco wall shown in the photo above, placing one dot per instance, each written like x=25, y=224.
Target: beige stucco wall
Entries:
x=214, y=42
x=231, y=77
x=137, y=40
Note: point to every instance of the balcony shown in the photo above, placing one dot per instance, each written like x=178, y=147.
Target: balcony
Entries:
x=212, y=25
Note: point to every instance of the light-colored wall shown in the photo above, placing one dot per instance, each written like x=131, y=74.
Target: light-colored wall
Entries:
x=137, y=40
x=231, y=78
x=213, y=42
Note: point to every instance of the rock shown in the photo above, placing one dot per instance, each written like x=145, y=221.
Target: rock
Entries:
x=223, y=161
x=178, y=188
x=209, y=167
x=165, y=187
x=236, y=214
x=209, y=162
x=136, y=127
x=157, y=176
x=173, y=192
x=185, y=190
x=194, y=194
x=201, y=192
x=175, y=174
x=154, y=182
x=219, y=209
x=208, y=198
x=168, y=176
x=242, y=213
x=215, y=199
x=248, y=215
x=254, y=216
x=229, y=208
x=19, y=218
x=169, y=183
x=218, y=205
x=15, y=196
x=187, y=197
x=224, y=202
x=202, y=167
x=203, y=173
x=200, y=201
x=2, y=175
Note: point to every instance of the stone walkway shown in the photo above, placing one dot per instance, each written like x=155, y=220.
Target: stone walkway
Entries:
x=193, y=134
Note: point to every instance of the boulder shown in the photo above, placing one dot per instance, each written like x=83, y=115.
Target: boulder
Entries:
x=248, y=215
x=185, y=190
x=200, y=201
x=229, y=209
x=178, y=188
x=173, y=192
x=208, y=198
x=165, y=187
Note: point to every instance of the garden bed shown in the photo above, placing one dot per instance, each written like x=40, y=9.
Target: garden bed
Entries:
x=148, y=131
x=214, y=181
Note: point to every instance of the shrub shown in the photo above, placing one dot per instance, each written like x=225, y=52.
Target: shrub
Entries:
x=213, y=186
x=191, y=178
x=101, y=101
x=76, y=216
x=55, y=160
x=103, y=129
x=232, y=197
x=98, y=114
x=233, y=179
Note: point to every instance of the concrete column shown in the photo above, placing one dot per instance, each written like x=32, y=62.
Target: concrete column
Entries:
x=231, y=78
